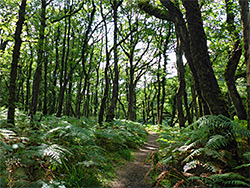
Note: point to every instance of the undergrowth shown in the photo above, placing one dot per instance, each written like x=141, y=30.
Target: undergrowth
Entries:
x=64, y=152
x=212, y=152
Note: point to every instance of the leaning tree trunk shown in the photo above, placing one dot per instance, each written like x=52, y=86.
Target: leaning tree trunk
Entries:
x=209, y=86
x=233, y=61
x=15, y=58
x=245, y=20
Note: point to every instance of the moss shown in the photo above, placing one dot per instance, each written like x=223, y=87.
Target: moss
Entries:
x=146, y=6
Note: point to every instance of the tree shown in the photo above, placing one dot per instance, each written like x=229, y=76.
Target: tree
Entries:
x=182, y=84
x=245, y=21
x=115, y=91
x=106, y=89
x=233, y=61
x=40, y=59
x=14, y=63
x=195, y=49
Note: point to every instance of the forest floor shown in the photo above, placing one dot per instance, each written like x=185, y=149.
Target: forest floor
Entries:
x=132, y=173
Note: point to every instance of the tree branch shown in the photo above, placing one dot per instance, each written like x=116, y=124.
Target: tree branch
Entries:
x=146, y=6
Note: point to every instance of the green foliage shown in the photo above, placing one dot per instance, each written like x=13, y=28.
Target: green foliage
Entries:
x=211, y=152
x=64, y=151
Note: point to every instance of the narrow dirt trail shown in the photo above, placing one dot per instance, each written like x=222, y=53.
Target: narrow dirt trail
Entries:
x=132, y=174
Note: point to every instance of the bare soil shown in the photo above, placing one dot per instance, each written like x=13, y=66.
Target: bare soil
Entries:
x=132, y=174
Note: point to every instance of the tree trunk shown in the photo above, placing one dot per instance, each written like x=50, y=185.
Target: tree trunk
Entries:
x=194, y=46
x=189, y=118
x=209, y=87
x=131, y=97
x=163, y=93
x=86, y=101
x=53, y=103
x=79, y=96
x=234, y=58
x=106, y=90
x=69, y=98
x=64, y=64
x=158, y=92
x=245, y=21
x=96, y=90
x=173, y=111
x=164, y=74
x=27, y=103
x=115, y=92
x=14, y=63
x=45, y=108
x=40, y=59
x=194, y=102
x=181, y=89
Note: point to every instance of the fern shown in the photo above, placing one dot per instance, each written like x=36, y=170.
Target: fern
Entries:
x=54, y=152
x=206, y=148
x=230, y=178
x=191, y=165
x=217, y=141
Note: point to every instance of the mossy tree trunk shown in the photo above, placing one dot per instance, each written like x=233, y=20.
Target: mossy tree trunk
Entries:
x=245, y=20
x=195, y=49
x=233, y=61
x=209, y=87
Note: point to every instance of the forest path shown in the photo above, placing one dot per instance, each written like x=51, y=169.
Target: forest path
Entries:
x=132, y=173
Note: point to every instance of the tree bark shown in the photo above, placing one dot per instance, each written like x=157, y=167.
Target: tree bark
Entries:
x=64, y=65
x=14, y=63
x=27, y=101
x=45, y=107
x=181, y=89
x=96, y=90
x=165, y=58
x=245, y=21
x=209, y=87
x=234, y=58
x=106, y=90
x=194, y=102
x=158, y=92
x=115, y=91
x=40, y=59
x=195, y=49
x=53, y=103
